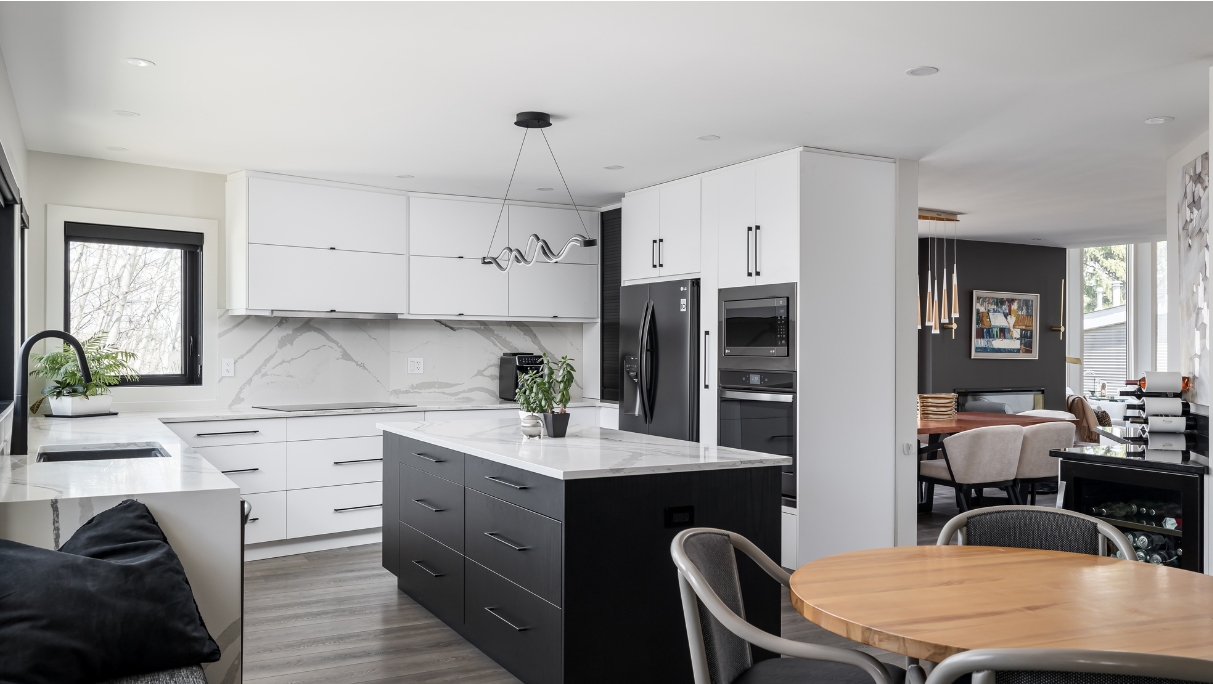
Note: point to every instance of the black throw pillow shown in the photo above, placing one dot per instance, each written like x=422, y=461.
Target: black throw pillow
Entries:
x=114, y=601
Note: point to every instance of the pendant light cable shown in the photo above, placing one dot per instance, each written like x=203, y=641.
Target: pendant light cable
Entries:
x=562, y=180
x=500, y=212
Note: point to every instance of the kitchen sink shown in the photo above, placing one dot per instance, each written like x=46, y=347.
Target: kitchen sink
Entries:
x=97, y=452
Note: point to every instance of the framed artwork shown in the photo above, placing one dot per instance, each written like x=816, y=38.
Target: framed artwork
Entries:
x=1005, y=325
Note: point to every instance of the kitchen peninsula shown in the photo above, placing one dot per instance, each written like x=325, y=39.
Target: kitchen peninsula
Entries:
x=552, y=555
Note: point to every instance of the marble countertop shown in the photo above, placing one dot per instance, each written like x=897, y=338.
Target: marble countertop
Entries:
x=586, y=452
x=250, y=413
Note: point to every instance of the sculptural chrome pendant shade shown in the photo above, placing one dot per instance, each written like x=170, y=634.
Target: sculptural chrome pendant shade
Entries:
x=535, y=246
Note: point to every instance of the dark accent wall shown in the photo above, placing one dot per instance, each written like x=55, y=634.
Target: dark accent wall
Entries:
x=611, y=245
x=946, y=364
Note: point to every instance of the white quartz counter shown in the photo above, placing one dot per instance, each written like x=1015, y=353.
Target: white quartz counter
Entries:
x=586, y=452
x=246, y=414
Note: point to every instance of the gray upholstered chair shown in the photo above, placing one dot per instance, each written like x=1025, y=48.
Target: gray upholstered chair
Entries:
x=1069, y=666
x=1033, y=527
x=720, y=637
x=976, y=459
x=181, y=675
x=1035, y=463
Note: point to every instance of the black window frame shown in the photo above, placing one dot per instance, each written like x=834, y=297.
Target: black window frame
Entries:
x=190, y=245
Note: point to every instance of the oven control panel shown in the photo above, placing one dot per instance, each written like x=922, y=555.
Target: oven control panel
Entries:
x=741, y=379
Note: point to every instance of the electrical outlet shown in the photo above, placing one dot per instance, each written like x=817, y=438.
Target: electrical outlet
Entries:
x=416, y=365
x=229, y=368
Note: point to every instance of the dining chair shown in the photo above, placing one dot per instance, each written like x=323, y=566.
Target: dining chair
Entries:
x=720, y=637
x=1069, y=666
x=1033, y=527
x=976, y=459
x=1035, y=463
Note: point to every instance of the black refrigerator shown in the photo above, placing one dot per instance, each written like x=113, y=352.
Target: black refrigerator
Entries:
x=659, y=359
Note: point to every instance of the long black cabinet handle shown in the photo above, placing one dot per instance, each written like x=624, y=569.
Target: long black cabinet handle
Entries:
x=431, y=459
x=507, y=483
x=421, y=564
x=242, y=470
x=705, y=359
x=423, y=504
x=661, y=252
x=757, y=251
x=356, y=508
x=220, y=434
x=493, y=611
x=253, y=520
x=361, y=460
x=497, y=537
x=749, y=232
x=653, y=254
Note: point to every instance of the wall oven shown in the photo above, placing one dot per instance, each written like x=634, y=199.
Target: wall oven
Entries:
x=758, y=327
x=758, y=413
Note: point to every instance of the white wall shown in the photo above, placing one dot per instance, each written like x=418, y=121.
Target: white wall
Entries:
x=11, y=136
x=1175, y=323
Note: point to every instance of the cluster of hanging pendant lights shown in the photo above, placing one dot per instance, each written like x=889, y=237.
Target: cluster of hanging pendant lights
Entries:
x=938, y=314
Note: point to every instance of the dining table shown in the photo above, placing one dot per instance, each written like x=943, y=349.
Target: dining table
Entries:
x=931, y=602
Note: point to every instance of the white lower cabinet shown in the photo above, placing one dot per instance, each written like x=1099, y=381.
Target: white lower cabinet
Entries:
x=256, y=468
x=561, y=290
x=326, y=462
x=328, y=510
x=267, y=520
x=446, y=286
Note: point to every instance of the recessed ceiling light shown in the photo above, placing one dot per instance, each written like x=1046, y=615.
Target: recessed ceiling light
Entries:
x=123, y=112
x=1159, y=119
x=114, y=148
x=139, y=62
x=709, y=137
x=404, y=175
x=613, y=167
x=543, y=189
x=922, y=71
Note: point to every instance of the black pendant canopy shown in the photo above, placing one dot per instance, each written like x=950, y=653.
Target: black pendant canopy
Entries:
x=533, y=120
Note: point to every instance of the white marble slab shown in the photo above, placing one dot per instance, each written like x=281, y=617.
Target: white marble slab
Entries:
x=420, y=407
x=586, y=452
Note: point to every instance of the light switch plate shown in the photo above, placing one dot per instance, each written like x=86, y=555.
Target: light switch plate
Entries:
x=229, y=368
x=416, y=365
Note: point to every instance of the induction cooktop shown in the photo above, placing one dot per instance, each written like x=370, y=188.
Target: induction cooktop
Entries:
x=336, y=406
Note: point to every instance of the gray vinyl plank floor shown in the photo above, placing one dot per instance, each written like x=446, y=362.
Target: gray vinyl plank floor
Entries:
x=336, y=616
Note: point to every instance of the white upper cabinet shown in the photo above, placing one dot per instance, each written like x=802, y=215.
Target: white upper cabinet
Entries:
x=641, y=229
x=758, y=221
x=545, y=290
x=282, y=212
x=735, y=225
x=678, y=241
x=456, y=228
x=445, y=286
x=556, y=226
x=324, y=280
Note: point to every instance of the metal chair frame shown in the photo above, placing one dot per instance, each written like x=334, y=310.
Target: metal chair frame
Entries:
x=985, y=662
x=692, y=585
x=1106, y=532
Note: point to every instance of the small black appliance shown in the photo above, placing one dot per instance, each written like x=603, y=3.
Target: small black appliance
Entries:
x=514, y=365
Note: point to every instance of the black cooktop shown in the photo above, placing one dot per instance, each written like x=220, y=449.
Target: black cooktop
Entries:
x=336, y=406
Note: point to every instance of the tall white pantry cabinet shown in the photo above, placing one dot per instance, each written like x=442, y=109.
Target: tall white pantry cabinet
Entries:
x=828, y=222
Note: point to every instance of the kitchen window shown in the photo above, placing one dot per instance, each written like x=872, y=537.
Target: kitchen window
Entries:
x=143, y=287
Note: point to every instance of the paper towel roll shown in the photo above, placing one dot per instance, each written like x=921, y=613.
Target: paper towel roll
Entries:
x=1164, y=406
x=1166, y=424
x=1170, y=441
x=1158, y=381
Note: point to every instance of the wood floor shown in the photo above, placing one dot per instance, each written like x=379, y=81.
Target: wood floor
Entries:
x=336, y=616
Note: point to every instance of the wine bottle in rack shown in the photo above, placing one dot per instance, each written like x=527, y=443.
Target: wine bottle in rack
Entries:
x=1164, y=558
x=1163, y=382
x=1170, y=423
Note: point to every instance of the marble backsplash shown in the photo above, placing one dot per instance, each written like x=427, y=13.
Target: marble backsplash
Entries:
x=313, y=360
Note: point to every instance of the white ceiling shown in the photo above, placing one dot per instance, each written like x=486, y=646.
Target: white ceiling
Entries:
x=1032, y=128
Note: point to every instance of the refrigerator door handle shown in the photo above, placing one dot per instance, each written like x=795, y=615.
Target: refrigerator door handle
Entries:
x=643, y=365
x=749, y=233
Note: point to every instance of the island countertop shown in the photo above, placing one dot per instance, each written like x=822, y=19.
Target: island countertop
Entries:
x=586, y=451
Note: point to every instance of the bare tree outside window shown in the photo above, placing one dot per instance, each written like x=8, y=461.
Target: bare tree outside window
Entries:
x=135, y=294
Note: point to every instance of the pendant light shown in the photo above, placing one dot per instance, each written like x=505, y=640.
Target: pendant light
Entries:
x=930, y=279
x=535, y=245
x=940, y=313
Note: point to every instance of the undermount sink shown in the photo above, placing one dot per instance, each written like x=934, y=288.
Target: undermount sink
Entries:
x=97, y=452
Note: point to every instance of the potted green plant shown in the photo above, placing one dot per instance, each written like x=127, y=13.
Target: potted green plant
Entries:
x=69, y=395
x=558, y=375
x=534, y=399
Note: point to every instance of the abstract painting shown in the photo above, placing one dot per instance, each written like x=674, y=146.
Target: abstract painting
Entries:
x=1194, y=274
x=1004, y=325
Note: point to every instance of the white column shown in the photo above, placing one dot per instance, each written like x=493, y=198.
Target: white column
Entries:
x=1140, y=306
x=906, y=339
x=1074, y=319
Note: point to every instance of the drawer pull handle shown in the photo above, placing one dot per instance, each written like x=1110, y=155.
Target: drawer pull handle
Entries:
x=431, y=459
x=421, y=564
x=253, y=520
x=355, y=508
x=242, y=470
x=423, y=504
x=493, y=611
x=504, y=482
x=497, y=537
x=219, y=434
x=361, y=460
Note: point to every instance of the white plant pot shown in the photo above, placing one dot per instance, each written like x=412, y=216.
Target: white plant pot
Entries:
x=81, y=406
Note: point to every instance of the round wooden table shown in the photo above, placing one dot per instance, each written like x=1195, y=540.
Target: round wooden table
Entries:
x=930, y=602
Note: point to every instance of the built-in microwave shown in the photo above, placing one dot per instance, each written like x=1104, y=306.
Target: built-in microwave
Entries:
x=757, y=327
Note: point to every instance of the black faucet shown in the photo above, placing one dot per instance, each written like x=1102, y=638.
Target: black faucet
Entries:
x=20, y=440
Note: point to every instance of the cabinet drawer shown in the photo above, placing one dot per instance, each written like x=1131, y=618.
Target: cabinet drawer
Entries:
x=267, y=521
x=325, y=462
x=222, y=432
x=522, y=546
x=354, y=425
x=432, y=505
x=432, y=574
x=326, y=510
x=435, y=460
x=522, y=487
x=255, y=467
x=519, y=630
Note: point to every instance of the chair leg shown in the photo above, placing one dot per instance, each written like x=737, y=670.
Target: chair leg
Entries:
x=1033, y=493
x=1012, y=495
x=966, y=499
